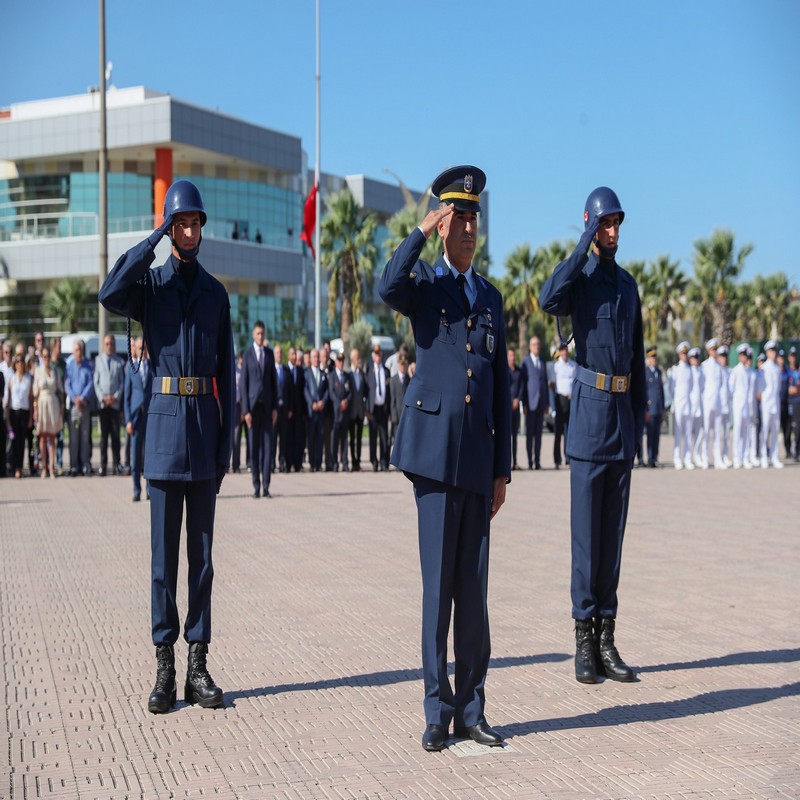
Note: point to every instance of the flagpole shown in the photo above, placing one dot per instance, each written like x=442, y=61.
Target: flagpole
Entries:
x=317, y=266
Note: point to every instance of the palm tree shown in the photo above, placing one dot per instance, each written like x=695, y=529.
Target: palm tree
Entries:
x=520, y=296
x=349, y=253
x=667, y=282
x=717, y=267
x=67, y=301
x=771, y=296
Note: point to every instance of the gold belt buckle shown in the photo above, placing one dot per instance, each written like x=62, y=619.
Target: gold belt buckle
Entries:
x=600, y=382
x=619, y=383
x=188, y=386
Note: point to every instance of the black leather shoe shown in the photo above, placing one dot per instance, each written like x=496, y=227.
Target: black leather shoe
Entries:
x=266, y=493
x=480, y=733
x=610, y=662
x=256, y=494
x=434, y=738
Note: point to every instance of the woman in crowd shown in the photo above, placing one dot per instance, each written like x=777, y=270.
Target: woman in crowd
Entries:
x=19, y=409
x=48, y=412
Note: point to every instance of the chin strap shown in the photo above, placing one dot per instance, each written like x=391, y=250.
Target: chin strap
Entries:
x=186, y=255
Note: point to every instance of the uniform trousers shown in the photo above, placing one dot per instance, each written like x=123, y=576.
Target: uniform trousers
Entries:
x=137, y=452
x=712, y=426
x=682, y=453
x=653, y=437
x=260, y=437
x=167, y=499
x=516, y=416
x=741, y=437
x=598, y=511
x=770, y=429
x=725, y=430
x=454, y=557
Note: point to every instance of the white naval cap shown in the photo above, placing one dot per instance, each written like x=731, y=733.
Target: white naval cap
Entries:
x=711, y=343
x=743, y=348
x=694, y=352
x=761, y=357
x=683, y=347
x=722, y=350
x=771, y=345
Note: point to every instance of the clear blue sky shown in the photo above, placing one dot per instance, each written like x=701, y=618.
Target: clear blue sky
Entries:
x=690, y=110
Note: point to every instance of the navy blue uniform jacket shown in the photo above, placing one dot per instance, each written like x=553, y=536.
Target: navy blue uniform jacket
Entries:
x=188, y=334
x=137, y=396
x=655, y=392
x=456, y=427
x=603, y=301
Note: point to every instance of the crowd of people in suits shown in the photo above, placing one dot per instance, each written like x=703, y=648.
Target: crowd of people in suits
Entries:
x=313, y=406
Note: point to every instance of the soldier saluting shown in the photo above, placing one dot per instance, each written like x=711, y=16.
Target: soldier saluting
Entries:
x=186, y=322
x=454, y=444
x=608, y=399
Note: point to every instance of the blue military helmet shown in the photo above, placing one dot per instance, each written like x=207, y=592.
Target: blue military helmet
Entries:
x=184, y=196
x=600, y=203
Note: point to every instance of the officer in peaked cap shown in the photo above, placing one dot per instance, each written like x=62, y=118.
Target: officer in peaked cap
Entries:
x=609, y=400
x=186, y=322
x=454, y=443
x=460, y=187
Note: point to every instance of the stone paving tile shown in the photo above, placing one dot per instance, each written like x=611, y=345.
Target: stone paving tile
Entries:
x=316, y=642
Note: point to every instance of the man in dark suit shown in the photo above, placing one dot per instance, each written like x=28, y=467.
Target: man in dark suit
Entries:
x=655, y=406
x=515, y=389
x=533, y=376
x=297, y=412
x=316, y=395
x=259, y=407
x=378, y=403
x=138, y=388
x=397, y=391
x=283, y=381
x=454, y=443
x=340, y=395
x=358, y=408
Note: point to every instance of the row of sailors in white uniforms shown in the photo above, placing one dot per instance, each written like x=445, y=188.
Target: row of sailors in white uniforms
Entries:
x=707, y=397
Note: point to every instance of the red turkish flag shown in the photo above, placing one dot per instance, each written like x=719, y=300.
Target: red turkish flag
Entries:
x=310, y=219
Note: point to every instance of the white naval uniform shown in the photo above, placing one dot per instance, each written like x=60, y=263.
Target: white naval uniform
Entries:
x=680, y=387
x=770, y=388
x=712, y=406
x=696, y=399
x=755, y=415
x=725, y=412
x=739, y=383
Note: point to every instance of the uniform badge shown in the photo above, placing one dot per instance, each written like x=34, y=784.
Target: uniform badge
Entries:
x=439, y=272
x=189, y=385
x=490, y=342
x=468, y=183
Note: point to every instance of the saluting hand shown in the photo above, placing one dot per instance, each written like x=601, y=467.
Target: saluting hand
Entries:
x=431, y=222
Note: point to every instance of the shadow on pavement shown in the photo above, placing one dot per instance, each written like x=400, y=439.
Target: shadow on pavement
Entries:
x=383, y=678
x=733, y=659
x=707, y=703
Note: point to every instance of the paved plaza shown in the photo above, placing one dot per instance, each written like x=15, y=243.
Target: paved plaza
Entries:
x=316, y=644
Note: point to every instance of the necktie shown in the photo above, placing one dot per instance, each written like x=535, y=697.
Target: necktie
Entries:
x=461, y=280
x=260, y=359
x=378, y=383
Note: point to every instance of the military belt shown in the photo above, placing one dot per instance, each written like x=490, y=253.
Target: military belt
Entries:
x=186, y=387
x=606, y=383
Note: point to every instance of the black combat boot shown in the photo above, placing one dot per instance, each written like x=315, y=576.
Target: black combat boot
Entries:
x=585, y=664
x=200, y=687
x=609, y=659
x=162, y=698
